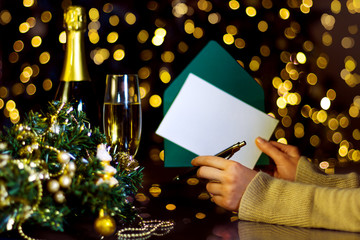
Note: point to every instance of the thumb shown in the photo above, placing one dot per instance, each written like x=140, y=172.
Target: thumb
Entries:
x=268, y=148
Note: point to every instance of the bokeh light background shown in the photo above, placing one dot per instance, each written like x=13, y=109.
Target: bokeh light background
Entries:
x=303, y=53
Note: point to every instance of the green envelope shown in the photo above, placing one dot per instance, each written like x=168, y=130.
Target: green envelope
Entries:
x=216, y=66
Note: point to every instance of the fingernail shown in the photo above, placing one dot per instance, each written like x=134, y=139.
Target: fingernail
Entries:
x=260, y=140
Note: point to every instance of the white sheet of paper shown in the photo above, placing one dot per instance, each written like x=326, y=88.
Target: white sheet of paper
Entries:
x=205, y=120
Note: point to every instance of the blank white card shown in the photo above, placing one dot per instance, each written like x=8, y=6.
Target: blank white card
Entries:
x=205, y=120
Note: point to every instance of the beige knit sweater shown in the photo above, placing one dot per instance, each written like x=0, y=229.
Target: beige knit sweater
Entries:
x=313, y=200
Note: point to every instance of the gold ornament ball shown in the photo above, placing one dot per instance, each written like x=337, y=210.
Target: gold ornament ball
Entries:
x=65, y=181
x=53, y=186
x=71, y=167
x=59, y=197
x=105, y=225
x=63, y=157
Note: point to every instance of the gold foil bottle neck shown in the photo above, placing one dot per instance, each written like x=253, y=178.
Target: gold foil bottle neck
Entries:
x=75, y=18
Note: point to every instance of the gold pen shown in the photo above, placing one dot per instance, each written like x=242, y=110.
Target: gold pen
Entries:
x=226, y=153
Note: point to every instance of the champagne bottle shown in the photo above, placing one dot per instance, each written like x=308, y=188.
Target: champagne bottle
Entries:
x=75, y=82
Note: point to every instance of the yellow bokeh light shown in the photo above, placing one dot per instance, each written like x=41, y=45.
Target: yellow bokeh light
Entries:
x=108, y=7
x=155, y=191
x=157, y=40
x=94, y=36
x=265, y=51
x=94, y=14
x=130, y=18
x=331, y=94
x=155, y=101
x=24, y=27
x=231, y=29
x=114, y=20
x=10, y=105
x=282, y=140
x=2, y=104
x=356, y=134
x=321, y=116
x=299, y=130
x=62, y=37
x=307, y=3
x=112, y=37
x=31, y=21
x=322, y=62
x=44, y=57
x=144, y=72
x=308, y=46
x=343, y=150
x=311, y=78
x=4, y=92
x=356, y=155
x=354, y=111
x=284, y=13
x=276, y=82
x=250, y=11
x=325, y=103
x=279, y=133
x=189, y=26
x=228, y=39
x=314, y=140
x=300, y=57
x=198, y=33
x=348, y=42
x=353, y=29
x=143, y=36
x=254, y=64
x=234, y=4
x=281, y=102
x=328, y=21
x=183, y=47
x=47, y=84
x=214, y=18
x=337, y=137
x=200, y=215
x=192, y=181
x=167, y=56
x=180, y=9
x=286, y=121
x=28, y=72
x=5, y=17
x=31, y=89
x=36, y=41
x=350, y=64
x=333, y=124
x=240, y=43
x=28, y=3
x=46, y=16
x=18, y=46
x=165, y=76
x=171, y=207
x=344, y=122
x=263, y=26
x=119, y=55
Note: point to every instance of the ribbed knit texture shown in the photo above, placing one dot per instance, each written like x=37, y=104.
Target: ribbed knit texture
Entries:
x=262, y=231
x=277, y=201
x=308, y=173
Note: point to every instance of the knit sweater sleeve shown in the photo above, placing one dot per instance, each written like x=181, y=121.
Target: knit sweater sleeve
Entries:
x=277, y=201
x=308, y=173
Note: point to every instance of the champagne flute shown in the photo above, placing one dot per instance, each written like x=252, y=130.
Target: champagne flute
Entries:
x=122, y=118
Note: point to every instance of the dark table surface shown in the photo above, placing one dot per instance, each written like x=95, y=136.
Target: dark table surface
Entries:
x=195, y=216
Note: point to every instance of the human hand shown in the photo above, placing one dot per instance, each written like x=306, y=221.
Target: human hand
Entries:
x=228, y=179
x=286, y=157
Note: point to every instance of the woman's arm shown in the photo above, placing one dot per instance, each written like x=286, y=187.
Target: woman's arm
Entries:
x=277, y=201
